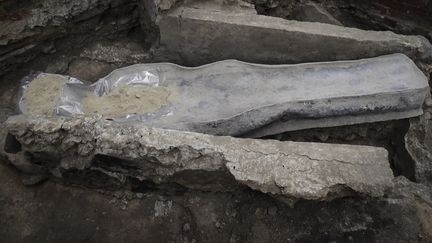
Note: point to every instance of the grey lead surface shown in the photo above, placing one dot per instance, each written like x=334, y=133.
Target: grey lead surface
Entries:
x=242, y=99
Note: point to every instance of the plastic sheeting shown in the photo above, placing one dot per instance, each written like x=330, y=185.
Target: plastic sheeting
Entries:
x=236, y=98
x=75, y=90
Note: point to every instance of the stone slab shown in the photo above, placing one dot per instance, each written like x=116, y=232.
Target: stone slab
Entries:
x=200, y=35
x=289, y=169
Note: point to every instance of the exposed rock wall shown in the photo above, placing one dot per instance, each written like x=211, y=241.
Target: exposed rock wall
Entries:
x=419, y=145
x=34, y=29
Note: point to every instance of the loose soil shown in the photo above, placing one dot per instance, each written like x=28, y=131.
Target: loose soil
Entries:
x=42, y=94
x=137, y=99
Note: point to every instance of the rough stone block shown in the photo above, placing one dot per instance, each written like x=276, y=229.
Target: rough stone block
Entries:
x=292, y=170
x=418, y=142
x=199, y=35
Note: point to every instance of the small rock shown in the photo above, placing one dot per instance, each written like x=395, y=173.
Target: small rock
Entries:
x=84, y=69
x=259, y=213
x=166, y=4
x=49, y=48
x=218, y=225
x=323, y=137
x=118, y=194
x=30, y=180
x=186, y=227
x=129, y=195
x=57, y=66
x=428, y=101
x=272, y=211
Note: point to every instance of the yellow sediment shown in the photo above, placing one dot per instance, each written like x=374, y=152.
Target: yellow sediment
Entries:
x=124, y=100
x=42, y=95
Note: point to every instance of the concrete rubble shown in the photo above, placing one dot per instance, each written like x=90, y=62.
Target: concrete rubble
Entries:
x=292, y=170
x=200, y=34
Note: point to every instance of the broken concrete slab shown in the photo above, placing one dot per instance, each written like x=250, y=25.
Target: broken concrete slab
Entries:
x=251, y=100
x=119, y=151
x=196, y=36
